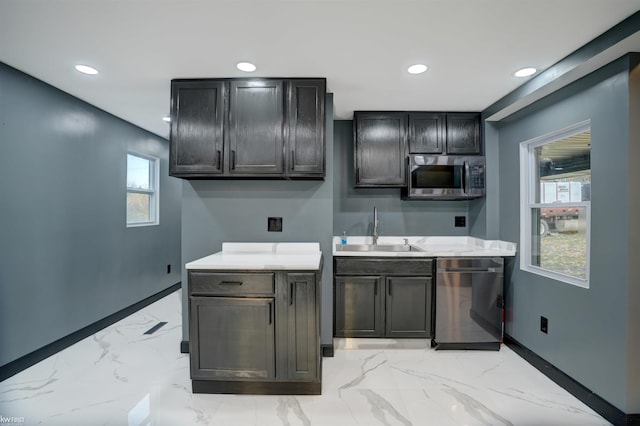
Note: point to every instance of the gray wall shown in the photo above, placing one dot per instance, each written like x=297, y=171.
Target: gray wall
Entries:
x=484, y=213
x=67, y=259
x=633, y=242
x=353, y=208
x=216, y=211
x=589, y=329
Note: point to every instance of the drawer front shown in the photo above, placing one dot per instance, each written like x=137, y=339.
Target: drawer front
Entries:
x=382, y=266
x=228, y=284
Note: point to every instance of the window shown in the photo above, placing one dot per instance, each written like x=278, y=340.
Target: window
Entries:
x=555, y=204
x=142, y=190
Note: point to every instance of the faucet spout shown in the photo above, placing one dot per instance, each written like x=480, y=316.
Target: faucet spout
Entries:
x=375, y=225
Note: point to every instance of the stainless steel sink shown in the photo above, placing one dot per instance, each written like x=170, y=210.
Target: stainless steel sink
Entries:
x=375, y=247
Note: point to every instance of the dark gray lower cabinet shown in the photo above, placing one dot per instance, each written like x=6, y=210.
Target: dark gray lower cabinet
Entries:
x=303, y=355
x=396, y=303
x=358, y=307
x=254, y=332
x=408, y=307
x=246, y=327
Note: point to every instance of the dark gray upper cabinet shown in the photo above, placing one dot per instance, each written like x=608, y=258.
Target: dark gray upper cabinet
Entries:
x=427, y=133
x=248, y=128
x=197, y=114
x=453, y=133
x=305, y=155
x=380, y=150
x=255, y=127
x=463, y=133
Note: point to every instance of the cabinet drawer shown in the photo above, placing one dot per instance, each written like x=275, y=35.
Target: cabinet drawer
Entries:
x=382, y=266
x=221, y=284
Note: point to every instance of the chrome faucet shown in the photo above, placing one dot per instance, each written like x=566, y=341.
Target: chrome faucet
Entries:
x=375, y=225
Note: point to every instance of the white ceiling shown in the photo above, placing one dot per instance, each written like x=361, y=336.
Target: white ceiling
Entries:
x=362, y=47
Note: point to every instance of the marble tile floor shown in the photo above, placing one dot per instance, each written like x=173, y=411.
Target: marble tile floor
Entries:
x=120, y=376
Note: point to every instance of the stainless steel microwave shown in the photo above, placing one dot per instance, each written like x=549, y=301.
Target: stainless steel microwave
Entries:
x=443, y=177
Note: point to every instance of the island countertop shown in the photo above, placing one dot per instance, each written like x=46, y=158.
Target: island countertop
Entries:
x=262, y=256
x=430, y=247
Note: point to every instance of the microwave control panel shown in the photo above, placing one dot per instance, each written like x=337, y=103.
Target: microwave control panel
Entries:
x=476, y=173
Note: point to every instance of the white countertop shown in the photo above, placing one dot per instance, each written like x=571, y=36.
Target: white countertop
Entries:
x=262, y=256
x=431, y=247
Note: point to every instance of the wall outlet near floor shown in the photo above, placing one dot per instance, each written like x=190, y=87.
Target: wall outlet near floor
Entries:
x=544, y=325
x=274, y=224
x=460, y=221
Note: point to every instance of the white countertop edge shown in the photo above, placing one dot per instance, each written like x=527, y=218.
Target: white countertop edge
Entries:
x=439, y=246
x=262, y=256
x=253, y=267
x=232, y=247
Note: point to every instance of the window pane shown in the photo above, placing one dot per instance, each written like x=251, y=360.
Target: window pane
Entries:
x=563, y=170
x=564, y=249
x=138, y=207
x=138, y=172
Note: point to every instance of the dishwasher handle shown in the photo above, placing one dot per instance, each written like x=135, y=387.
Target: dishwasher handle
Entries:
x=494, y=270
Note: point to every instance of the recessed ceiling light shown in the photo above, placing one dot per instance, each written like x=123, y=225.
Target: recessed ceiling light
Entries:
x=246, y=66
x=525, y=72
x=417, y=69
x=86, y=69
x=166, y=118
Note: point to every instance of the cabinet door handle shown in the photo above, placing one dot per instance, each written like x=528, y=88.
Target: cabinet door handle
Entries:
x=219, y=160
x=270, y=319
x=293, y=157
x=233, y=159
x=389, y=288
x=291, y=289
x=357, y=174
x=231, y=283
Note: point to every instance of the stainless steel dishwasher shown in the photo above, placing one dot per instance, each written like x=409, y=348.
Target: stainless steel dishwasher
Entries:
x=469, y=303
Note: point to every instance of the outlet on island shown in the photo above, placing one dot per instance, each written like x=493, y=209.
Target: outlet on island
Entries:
x=460, y=221
x=544, y=325
x=274, y=224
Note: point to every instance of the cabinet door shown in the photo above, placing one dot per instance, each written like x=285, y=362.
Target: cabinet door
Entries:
x=358, y=307
x=427, y=133
x=255, y=128
x=305, y=148
x=408, y=306
x=303, y=338
x=232, y=338
x=380, y=149
x=197, y=115
x=463, y=133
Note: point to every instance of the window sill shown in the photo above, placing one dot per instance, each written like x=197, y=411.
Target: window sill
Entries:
x=556, y=276
x=142, y=224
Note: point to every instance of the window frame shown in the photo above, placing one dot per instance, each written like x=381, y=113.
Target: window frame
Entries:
x=528, y=183
x=153, y=191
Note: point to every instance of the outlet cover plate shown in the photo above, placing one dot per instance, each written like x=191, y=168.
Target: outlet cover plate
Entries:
x=274, y=224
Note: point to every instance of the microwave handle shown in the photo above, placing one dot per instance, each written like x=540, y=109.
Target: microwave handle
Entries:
x=465, y=178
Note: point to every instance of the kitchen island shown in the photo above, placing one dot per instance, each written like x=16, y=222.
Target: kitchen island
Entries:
x=254, y=319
